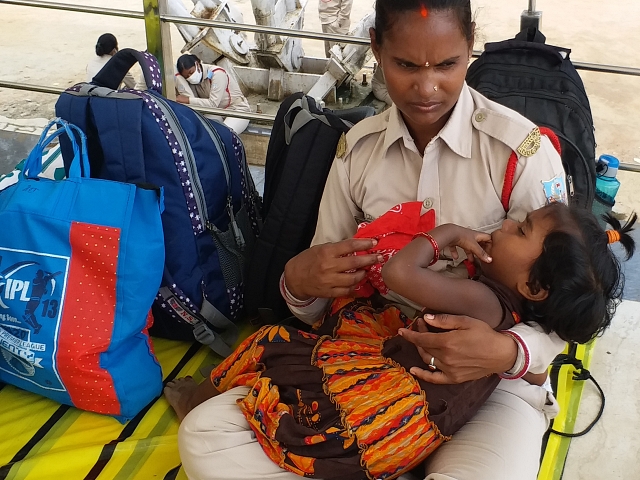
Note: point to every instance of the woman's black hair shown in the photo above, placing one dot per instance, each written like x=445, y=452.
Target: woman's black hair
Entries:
x=581, y=273
x=186, y=61
x=388, y=10
x=106, y=43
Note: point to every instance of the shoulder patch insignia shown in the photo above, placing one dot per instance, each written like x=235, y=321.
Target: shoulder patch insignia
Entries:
x=342, y=146
x=554, y=190
x=531, y=144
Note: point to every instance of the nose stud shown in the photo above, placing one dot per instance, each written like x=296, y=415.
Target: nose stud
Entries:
x=435, y=88
x=426, y=65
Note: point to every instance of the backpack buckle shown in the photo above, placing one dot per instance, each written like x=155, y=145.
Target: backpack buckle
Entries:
x=203, y=334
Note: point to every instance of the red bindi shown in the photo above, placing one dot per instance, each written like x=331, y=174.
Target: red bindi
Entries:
x=423, y=11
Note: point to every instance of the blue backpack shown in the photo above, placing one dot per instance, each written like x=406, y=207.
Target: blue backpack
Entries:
x=211, y=215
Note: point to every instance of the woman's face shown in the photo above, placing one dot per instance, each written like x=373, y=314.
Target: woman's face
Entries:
x=424, y=94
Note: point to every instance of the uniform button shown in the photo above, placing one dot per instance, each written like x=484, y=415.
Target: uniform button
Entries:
x=428, y=203
x=480, y=117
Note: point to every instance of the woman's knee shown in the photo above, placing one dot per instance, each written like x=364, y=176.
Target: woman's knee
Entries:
x=501, y=442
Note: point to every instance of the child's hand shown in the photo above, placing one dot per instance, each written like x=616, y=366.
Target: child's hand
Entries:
x=468, y=240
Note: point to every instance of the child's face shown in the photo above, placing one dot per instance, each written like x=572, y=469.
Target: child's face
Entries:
x=515, y=247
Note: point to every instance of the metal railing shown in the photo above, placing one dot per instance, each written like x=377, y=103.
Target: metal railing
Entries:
x=159, y=39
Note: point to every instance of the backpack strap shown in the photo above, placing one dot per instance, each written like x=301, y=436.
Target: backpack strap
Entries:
x=112, y=74
x=210, y=326
x=512, y=164
x=580, y=374
x=531, y=34
x=218, y=69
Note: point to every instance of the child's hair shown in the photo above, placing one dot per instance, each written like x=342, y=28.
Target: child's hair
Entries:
x=387, y=10
x=186, y=61
x=106, y=43
x=581, y=273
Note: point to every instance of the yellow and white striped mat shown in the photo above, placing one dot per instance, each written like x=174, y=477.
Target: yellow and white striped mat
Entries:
x=42, y=440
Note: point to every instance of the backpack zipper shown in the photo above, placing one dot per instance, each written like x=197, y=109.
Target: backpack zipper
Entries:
x=569, y=98
x=529, y=71
x=190, y=162
x=217, y=141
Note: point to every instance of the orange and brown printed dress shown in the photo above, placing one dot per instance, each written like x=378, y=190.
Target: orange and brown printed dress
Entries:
x=339, y=403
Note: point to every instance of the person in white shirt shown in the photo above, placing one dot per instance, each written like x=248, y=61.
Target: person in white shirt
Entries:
x=211, y=86
x=106, y=47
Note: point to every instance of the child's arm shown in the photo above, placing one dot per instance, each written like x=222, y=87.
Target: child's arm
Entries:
x=407, y=274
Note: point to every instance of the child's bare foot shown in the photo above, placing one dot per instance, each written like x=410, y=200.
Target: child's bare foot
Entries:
x=179, y=394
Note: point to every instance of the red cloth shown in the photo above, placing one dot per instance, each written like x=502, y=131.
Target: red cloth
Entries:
x=393, y=230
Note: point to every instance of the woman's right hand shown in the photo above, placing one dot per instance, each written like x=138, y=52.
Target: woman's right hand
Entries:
x=329, y=270
x=182, y=98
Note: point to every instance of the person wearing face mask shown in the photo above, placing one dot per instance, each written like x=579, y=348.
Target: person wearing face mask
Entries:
x=211, y=86
x=106, y=47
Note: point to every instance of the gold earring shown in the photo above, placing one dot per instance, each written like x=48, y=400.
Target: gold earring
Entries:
x=435, y=88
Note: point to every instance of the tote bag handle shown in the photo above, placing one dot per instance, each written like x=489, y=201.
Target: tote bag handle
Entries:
x=79, y=165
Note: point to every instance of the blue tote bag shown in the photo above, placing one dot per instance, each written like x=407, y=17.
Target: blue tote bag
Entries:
x=81, y=261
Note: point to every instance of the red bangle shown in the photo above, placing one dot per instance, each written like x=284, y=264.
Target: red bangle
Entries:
x=434, y=244
x=527, y=356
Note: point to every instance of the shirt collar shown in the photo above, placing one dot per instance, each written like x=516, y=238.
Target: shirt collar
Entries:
x=457, y=132
x=396, y=129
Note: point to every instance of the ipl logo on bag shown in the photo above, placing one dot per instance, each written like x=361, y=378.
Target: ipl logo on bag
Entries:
x=31, y=295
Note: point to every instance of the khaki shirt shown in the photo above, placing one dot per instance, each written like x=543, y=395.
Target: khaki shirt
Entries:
x=379, y=87
x=330, y=11
x=460, y=176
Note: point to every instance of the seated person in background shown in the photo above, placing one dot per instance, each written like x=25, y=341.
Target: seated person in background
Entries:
x=210, y=86
x=106, y=48
x=341, y=402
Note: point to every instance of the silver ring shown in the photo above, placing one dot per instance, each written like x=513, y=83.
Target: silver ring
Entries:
x=432, y=365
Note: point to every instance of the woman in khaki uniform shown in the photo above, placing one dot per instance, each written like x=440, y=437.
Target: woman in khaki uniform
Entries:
x=446, y=145
x=205, y=85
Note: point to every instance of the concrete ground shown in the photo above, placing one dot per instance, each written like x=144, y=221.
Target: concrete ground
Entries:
x=52, y=48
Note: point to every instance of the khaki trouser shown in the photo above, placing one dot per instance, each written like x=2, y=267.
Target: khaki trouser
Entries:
x=238, y=125
x=334, y=27
x=335, y=17
x=502, y=442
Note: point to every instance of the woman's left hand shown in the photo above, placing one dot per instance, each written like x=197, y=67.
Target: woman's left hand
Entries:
x=469, y=349
x=182, y=99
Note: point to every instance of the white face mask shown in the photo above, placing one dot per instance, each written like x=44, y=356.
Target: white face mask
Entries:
x=196, y=77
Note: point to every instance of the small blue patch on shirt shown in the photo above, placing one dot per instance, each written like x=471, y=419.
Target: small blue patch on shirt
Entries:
x=555, y=190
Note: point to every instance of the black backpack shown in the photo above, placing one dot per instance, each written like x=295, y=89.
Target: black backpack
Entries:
x=540, y=82
x=301, y=150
